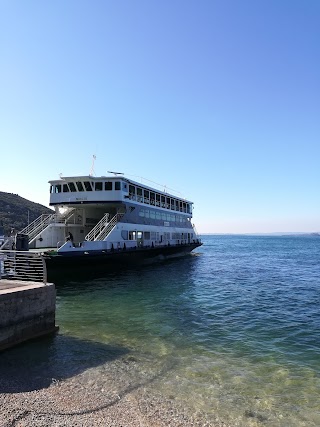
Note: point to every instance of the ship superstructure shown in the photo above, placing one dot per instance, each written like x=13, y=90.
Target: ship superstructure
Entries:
x=112, y=213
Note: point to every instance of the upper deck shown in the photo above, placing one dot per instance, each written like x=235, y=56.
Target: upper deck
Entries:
x=91, y=190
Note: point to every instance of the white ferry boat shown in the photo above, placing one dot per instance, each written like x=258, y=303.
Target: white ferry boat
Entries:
x=111, y=219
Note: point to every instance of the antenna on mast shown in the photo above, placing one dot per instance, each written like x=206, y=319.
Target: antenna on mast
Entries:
x=115, y=173
x=92, y=165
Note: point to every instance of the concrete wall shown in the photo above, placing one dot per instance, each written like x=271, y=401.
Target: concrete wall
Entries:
x=26, y=311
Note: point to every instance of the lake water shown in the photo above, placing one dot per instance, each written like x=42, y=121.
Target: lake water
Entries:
x=233, y=330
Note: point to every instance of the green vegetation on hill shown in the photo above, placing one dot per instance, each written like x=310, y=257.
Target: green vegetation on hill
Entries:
x=15, y=211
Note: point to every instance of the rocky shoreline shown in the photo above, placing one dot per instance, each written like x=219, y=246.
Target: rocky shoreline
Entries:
x=110, y=395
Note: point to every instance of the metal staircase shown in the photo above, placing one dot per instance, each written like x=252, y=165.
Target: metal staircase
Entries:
x=42, y=222
x=38, y=225
x=103, y=228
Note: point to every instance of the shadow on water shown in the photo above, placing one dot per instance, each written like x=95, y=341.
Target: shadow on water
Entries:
x=83, y=274
x=37, y=364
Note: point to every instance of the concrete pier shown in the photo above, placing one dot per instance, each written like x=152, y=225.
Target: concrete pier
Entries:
x=27, y=311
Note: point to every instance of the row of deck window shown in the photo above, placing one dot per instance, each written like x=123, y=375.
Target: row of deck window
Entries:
x=73, y=187
x=155, y=236
x=151, y=198
x=135, y=193
x=164, y=216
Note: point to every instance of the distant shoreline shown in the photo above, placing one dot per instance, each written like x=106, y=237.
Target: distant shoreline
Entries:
x=277, y=233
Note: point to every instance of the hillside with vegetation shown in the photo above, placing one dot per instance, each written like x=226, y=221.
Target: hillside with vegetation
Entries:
x=16, y=212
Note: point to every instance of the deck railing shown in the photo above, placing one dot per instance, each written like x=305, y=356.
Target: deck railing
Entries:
x=38, y=225
x=103, y=228
x=8, y=243
x=23, y=265
x=42, y=222
x=110, y=226
x=98, y=228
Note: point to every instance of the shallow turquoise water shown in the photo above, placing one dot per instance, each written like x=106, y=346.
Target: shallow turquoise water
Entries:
x=232, y=330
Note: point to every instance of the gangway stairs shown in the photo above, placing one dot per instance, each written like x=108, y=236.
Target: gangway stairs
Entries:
x=38, y=225
x=41, y=223
x=103, y=228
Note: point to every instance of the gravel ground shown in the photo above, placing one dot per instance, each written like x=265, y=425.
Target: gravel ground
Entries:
x=111, y=395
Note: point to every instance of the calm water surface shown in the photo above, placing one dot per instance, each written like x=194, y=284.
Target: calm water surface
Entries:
x=234, y=328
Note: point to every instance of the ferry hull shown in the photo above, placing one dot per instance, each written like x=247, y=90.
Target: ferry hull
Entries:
x=70, y=263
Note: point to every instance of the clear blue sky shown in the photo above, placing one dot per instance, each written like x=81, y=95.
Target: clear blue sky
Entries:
x=219, y=100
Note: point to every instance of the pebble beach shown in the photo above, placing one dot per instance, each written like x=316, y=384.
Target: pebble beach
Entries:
x=103, y=397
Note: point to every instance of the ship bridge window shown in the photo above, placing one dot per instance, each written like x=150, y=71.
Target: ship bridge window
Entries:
x=157, y=199
x=163, y=201
x=72, y=187
x=172, y=204
x=152, y=198
x=57, y=188
x=65, y=188
x=98, y=186
x=87, y=185
x=124, y=186
x=139, y=194
x=146, y=195
x=80, y=186
x=132, y=190
x=108, y=185
x=117, y=185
